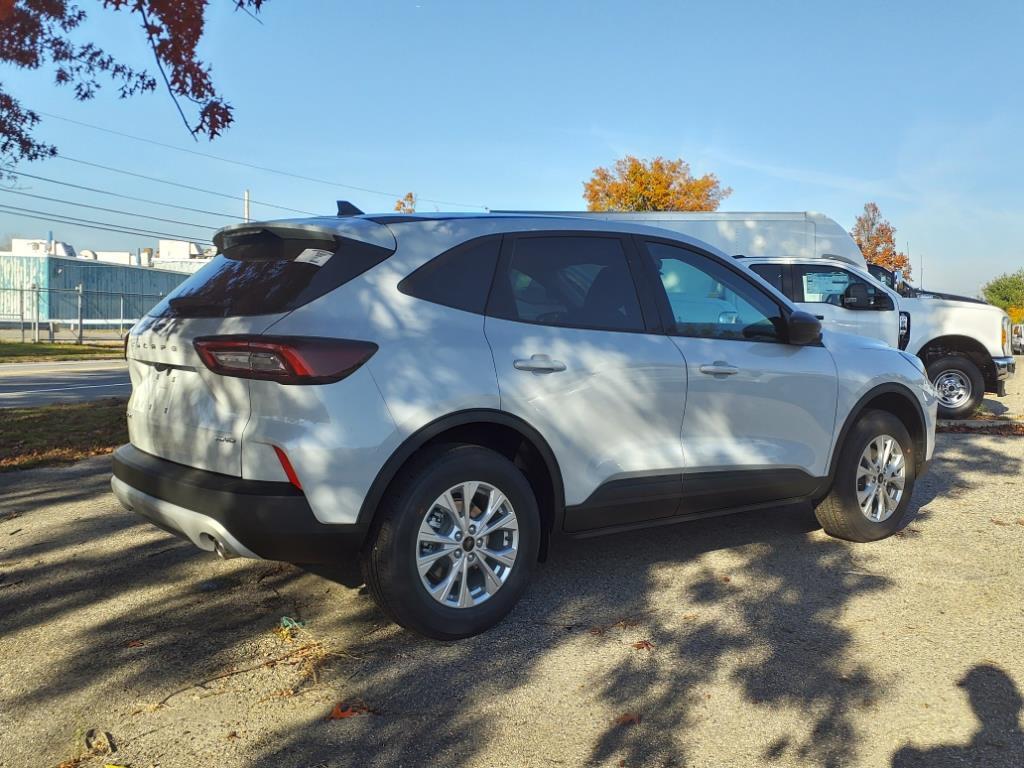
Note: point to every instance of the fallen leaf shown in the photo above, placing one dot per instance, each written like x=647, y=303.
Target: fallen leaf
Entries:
x=233, y=735
x=134, y=644
x=99, y=742
x=689, y=616
x=627, y=718
x=644, y=645
x=1020, y=521
x=998, y=522
x=726, y=579
x=342, y=711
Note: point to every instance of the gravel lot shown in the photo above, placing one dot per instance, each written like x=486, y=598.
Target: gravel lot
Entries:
x=1011, y=406
x=748, y=640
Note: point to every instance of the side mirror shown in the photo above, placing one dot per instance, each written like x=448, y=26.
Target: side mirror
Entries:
x=803, y=329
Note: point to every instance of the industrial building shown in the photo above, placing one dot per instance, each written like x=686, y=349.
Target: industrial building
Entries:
x=45, y=288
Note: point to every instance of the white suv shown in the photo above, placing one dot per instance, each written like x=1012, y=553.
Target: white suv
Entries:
x=441, y=396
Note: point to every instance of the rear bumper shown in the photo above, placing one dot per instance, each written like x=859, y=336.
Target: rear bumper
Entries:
x=247, y=518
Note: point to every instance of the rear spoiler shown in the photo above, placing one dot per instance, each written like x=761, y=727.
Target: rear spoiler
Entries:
x=352, y=227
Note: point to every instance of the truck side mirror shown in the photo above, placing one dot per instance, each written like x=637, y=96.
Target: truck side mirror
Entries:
x=856, y=296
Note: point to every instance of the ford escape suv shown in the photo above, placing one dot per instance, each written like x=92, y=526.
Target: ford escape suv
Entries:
x=443, y=395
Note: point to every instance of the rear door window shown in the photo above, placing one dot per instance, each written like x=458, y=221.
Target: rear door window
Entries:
x=573, y=281
x=773, y=274
x=261, y=272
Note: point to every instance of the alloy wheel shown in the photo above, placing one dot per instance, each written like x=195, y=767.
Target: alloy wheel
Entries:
x=881, y=478
x=467, y=544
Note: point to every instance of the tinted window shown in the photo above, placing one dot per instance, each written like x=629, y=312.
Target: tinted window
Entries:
x=459, y=278
x=259, y=272
x=710, y=301
x=772, y=273
x=583, y=282
x=836, y=286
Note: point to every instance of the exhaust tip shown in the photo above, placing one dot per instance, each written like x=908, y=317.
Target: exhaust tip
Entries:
x=221, y=550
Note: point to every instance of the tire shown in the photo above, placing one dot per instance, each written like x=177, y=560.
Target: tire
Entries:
x=390, y=560
x=840, y=512
x=952, y=371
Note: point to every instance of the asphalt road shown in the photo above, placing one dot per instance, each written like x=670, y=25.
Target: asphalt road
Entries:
x=30, y=384
x=751, y=640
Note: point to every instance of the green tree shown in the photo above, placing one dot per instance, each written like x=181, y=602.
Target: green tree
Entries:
x=1005, y=291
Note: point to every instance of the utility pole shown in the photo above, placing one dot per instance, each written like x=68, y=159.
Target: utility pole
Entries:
x=245, y=204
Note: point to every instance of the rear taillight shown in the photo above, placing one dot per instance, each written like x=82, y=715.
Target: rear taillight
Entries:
x=284, y=359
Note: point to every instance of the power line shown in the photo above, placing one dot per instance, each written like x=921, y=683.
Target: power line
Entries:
x=106, y=210
x=180, y=185
x=263, y=168
x=92, y=224
x=125, y=197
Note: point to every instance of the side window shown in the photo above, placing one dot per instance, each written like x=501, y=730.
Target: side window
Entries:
x=820, y=284
x=772, y=274
x=708, y=300
x=459, y=278
x=573, y=281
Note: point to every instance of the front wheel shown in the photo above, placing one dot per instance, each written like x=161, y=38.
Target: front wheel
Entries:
x=959, y=384
x=874, y=480
x=455, y=542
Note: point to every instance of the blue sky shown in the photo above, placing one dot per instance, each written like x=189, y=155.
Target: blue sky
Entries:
x=796, y=106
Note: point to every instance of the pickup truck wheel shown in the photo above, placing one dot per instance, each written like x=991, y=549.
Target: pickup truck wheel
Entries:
x=959, y=383
x=874, y=480
x=454, y=544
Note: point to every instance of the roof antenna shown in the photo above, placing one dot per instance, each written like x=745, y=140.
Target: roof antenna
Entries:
x=345, y=208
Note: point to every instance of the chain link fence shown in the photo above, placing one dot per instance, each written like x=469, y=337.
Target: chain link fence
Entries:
x=69, y=315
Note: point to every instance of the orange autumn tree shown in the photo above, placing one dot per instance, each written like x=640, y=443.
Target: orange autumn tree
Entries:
x=407, y=203
x=634, y=184
x=876, y=238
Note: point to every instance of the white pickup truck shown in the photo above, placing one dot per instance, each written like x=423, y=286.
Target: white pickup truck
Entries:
x=964, y=343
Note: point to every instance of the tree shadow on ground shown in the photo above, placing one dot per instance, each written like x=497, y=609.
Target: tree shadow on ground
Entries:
x=763, y=614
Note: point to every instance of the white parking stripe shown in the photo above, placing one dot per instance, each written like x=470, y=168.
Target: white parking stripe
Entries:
x=63, y=389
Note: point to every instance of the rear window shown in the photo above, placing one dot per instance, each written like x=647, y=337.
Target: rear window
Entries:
x=261, y=273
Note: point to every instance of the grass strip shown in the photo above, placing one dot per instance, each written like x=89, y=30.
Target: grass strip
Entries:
x=16, y=352
x=60, y=434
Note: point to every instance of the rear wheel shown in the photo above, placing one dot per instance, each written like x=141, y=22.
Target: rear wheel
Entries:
x=455, y=542
x=874, y=480
x=959, y=384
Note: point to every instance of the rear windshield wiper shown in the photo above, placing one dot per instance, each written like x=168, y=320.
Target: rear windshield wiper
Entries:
x=195, y=304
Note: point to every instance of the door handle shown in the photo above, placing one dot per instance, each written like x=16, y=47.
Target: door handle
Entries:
x=718, y=368
x=820, y=317
x=539, y=364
